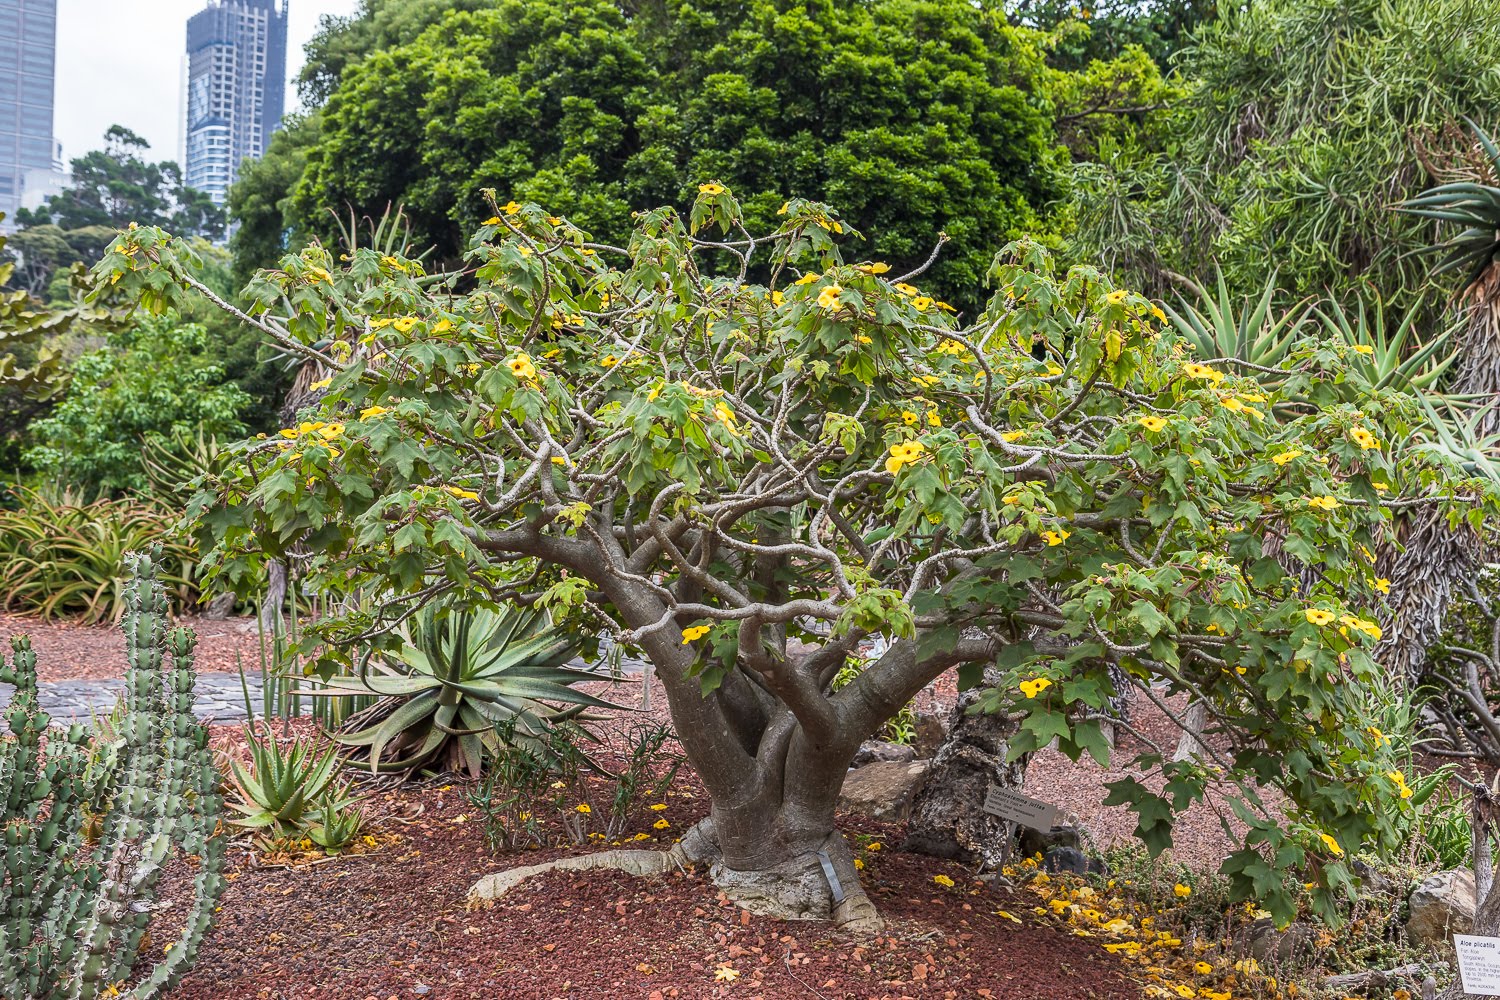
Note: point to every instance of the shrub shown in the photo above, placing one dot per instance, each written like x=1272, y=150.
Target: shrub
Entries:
x=64, y=558
x=87, y=832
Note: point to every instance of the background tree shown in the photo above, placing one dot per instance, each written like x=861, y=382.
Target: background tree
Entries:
x=149, y=380
x=916, y=116
x=708, y=468
x=116, y=185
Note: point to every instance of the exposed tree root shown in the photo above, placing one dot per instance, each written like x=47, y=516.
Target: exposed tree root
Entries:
x=798, y=889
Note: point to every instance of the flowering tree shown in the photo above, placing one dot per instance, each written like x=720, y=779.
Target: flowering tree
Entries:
x=745, y=457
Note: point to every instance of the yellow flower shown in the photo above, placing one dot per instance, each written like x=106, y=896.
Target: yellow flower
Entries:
x=1318, y=616
x=1204, y=372
x=711, y=189
x=859, y=865
x=876, y=268
x=1381, y=740
x=1011, y=437
x=695, y=633
x=321, y=384
x=331, y=432
x=921, y=303
x=1034, y=687
x=1323, y=502
x=1056, y=537
x=807, y=279
x=933, y=420
x=372, y=411
x=609, y=361
x=784, y=206
x=1232, y=404
x=875, y=846
x=1364, y=439
x=1286, y=456
x=1202, y=968
x=725, y=974
x=404, y=324
x=908, y=417
x=657, y=807
x=1181, y=890
x=906, y=289
x=1332, y=845
x=904, y=454
x=777, y=298
x=943, y=880
x=660, y=824
x=521, y=367
x=725, y=416
x=559, y=460
x=462, y=494
x=582, y=807
x=828, y=298
x=1364, y=349
x=1400, y=782
x=1156, y=311
x=1152, y=424
x=1383, y=585
x=510, y=208
x=493, y=220
x=1117, y=296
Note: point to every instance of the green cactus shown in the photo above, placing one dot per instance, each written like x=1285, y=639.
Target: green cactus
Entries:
x=86, y=834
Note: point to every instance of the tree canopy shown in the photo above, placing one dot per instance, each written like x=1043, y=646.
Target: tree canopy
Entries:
x=709, y=467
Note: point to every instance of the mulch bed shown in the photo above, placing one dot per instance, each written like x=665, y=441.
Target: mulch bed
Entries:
x=392, y=923
x=66, y=650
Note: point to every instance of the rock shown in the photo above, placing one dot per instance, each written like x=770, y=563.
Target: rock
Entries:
x=1264, y=943
x=883, y=790
x=1442, y=905
x=1370, y=880
x=871, y=751
x=931, y=731
x=1033, y=842
x=1071, y=859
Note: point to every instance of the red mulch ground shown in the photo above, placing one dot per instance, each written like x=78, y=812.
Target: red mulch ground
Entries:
x=66, y=650
x=393, y=924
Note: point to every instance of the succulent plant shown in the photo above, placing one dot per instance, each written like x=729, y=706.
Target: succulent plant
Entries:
x=457, y=675
x=87, y=834
x=286, y=791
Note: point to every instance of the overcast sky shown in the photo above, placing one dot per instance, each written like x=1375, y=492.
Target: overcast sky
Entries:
x=121, y=62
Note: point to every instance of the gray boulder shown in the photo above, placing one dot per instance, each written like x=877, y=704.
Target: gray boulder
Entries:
x=875, y=750
x=1442, y=905
x=883, y=790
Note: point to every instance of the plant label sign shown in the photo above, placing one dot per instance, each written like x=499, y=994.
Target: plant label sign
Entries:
x=1018, y=808
x=1478, y=963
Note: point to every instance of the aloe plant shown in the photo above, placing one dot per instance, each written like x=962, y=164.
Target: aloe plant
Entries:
x=456, y=676
x=287, y=791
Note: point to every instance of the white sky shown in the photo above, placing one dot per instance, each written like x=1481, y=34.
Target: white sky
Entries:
x=121, y=62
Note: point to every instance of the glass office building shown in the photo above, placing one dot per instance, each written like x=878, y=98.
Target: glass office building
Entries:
x=28, y=45
x=236, y=86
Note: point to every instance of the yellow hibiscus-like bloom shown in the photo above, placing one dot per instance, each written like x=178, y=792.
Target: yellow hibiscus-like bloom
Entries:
x=711, y=189
x=660, y=824
x=582, y=807
x=1364, y=439
x=828, y=298
x=1056, y=537
x=1032, y=688
x=404, y=324
x=807, y=279
x=1011, y=437
x=1181, y=891
x=493, y=220
x=921, y=303
x=1381, y=740
x=1213, y=375
x=1400, y=782
x=694, y=633
x=372, y=411
x=1364, y=349
x=1286, y=456
x=510, y=208
x=1382, y=584
x=933, y=420
x=1323, y=502
x=906, y=289
x=462, y=494
x=1232, y=404
x=908, y=417
x=1318, y=616
x=1152, y=424
x=1202, y=968
x=1117, y=296
x=522, y=367
x=943, y=880
x=609, y=361
x=875, y=268
x=725, y=416
x=322, y=383
x=903, y=455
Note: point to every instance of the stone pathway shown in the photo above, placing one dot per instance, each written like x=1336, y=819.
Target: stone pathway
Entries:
x=219, y=696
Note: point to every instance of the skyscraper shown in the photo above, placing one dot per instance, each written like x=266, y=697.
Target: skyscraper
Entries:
x=28, y=42
x=235, y=88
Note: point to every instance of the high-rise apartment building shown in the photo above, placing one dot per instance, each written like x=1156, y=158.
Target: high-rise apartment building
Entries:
x=28, y=44
x=236, y=86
